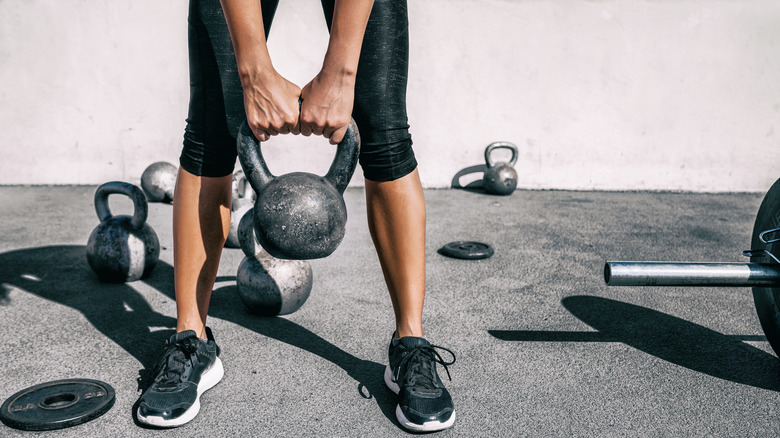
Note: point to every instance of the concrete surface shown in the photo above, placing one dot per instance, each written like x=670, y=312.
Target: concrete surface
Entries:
x=543, y=347
x=608, y=94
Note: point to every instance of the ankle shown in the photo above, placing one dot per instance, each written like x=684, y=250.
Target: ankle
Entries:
x=199, y=329
x=401, y=332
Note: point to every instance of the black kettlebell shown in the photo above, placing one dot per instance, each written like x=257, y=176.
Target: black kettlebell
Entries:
x=122, y=248
x=299, y=215
x=500, y=178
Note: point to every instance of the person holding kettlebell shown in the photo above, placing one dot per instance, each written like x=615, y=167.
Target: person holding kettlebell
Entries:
x=232, y=78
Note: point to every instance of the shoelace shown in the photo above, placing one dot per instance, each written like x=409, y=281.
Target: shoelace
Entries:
x=421, y=363
x=169, y=369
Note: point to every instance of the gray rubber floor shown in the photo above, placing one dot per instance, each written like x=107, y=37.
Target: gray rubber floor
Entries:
x=543, y=347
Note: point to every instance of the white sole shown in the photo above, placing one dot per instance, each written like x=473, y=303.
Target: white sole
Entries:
x=430, y=426
x=208, y=381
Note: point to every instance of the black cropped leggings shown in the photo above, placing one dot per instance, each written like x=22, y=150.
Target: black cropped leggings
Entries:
x=217, y=107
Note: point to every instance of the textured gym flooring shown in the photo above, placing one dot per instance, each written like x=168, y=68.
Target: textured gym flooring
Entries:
x=543, y=347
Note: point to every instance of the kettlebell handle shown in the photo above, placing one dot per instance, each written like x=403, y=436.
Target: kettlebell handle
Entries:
x=257, y=173
x=246, y=234
x=500, y=145
x=140, y=204
x=344, y=163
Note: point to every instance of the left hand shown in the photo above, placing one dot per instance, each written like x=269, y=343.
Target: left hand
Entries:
x=327, y=105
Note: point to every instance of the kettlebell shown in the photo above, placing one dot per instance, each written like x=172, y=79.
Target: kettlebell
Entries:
x=122, y=248
x=159, y=182
x=299, y=215
x=243, y=198
x=266, y=285
x=500, y=178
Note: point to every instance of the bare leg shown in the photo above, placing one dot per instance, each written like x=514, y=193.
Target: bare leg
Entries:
x=201, y=220
x=396, y=220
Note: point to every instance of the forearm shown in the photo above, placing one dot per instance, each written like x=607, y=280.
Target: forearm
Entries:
x=245, y=22
x=270, y=101
x=346, y=36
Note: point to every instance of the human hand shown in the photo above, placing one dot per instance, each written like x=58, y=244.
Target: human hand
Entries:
x=327, y=105
x=271, y=104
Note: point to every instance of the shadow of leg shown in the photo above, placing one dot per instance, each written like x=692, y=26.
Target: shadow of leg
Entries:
x=62, y=274
x=226, y=304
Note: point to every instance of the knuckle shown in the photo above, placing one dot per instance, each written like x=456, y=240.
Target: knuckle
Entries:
x=255, y=125
x=319, y=123
x=277, y=124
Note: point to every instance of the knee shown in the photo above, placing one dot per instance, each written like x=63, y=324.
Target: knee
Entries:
x=208, y=158
x=387, y=162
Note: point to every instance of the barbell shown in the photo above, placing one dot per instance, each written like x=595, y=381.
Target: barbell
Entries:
x=762, y=273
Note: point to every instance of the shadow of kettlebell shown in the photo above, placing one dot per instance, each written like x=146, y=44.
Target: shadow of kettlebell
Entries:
x=476, y=186
x=498, y=178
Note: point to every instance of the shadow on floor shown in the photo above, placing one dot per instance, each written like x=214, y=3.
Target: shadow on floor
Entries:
x=61, y=274
x=226, y=304
x=474, y=186
x=666, y=337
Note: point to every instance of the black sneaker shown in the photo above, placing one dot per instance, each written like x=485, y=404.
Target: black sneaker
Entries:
x=187, y=369
x=424, y=405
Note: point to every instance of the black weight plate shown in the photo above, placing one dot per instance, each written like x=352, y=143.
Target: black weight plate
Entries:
x=57, y=404
x=467, y=250
x=767, y=299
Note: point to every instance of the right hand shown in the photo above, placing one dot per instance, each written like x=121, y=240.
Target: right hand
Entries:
x=271, y=104
x=327, y=105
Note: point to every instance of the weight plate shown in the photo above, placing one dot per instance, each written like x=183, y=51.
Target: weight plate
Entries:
x=467, y=250
x=767, y=299
x=57, y=404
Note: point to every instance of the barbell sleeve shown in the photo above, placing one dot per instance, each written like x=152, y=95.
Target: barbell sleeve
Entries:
x=691, y=274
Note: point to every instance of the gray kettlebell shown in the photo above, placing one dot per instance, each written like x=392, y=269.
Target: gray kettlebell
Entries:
x=266, y=285
x=122, y=248
x=299, y=215
x=243, y=198
x=500, y=178
x=159, y=182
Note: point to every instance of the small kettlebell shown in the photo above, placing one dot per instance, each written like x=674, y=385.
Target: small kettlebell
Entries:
x=243, y=198
x=159, y=182
x=299, y=215
x=500, y=178
x=266, y=285
x=122, y=248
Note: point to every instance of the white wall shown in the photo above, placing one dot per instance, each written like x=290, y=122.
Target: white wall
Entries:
x=633, y=94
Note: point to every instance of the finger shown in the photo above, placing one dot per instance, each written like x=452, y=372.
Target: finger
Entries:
x=329, y=130
x=260, y=135
x=277, y=126
x=291, y=125
x=338, y=135
x=258, y=130
x=305, y=129
x=293, y=122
